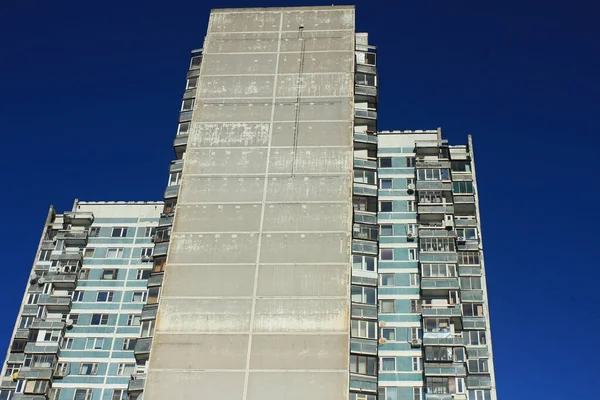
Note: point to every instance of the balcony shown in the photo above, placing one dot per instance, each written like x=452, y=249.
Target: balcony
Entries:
x=161, y=249
x=365, y=217
x=185, y=116
x=365, y=113
x=438, y=257
x=59, y=301
x=165, y=220
x=469, y=270
x=478, y=352
x=155, y=280
x=41, y=348
x=365, y=232
x=428, y=232
x=469, y=244
x=449, y=311
x=73, y=238
x=429, y=208
x=366, y=68
x=433, y=164
x=22, y=333
x=364, y=140
x=364, y=247
x=432, y=369
x=149, y=312
x=433, y=340
x=66, y=256
x=171, y=191
x=364, y=189
x=364, y=311
x=180, y=142
x=473, y=323
x=429, y=147
x=434, y=185
x=79, y=218
x=62, y=281
x=362, y=90
x=479, y=382
x=438, y=286
x=176, y=166
x=363, y=383
x=439, y=396
x=48, y=324
x=42, y=373
x=142, y=349
x=363, y=346
x=136, y=384
x=465, y=222
x=471, y=296
x=365, y=163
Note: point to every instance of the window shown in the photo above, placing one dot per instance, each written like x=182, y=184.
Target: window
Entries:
x=119, y=394
x=435, y=353
x=468, y=257
x=33, y=298
x=360, y=396
x=431, y=197
x=89, y=252
x=88, y=369
x=364, y=203
x=388, y=363
x=416, y=333
x=142, y=274
x=385, y=162
x=18, y=345
x=133, y=320
x=11, y=369
x=26, y=322
x=385, y=184
x=417, y=364
x=195, y=62
x=99, y=319
x=414, y=280
x=459, y=354
x=364, y=263
x=183, y=128
x=77, y=295
x=95, y=231
x=114, y=253
x=370, y=58
x=476, y=338
x=362, y=364
x=153, y=294
x=110, y=274
x=387, y=306
x=388, y=333
x=192, y=83
x=462, y=187
x=461, y=166
x=417, y=393
x=74, y=318
x=363, y=294
x=411, y=206
x=174, y=178
x=436, y=324
x=366, y=232
x=410, y=181
x=386, y=254
x=365, y=79
x=415, y=306
x=54, y=394
x=365, y=176
x=104, y=297
x=387, y=279
x=437, y=244
x=438, y=270
x=159, y=264
x=119, y=232
x=472, y=310
x=385, y=206
x=470, y=283
x=94, y=343
x=412, y=254
x=83, y=394
x=147, y=252
x=128, y=344
x=433, y=174
x=84, y=273
x=162, y=235
x=51, y=336
x=125, y=369
x=466, y=233
x=45, y=255
x=438, y=385
x=480, y=395
x=387, y=230
x=36, y=387
x=68, y=343
x=169, y=207
x=477, y=366
x=411, y=162
x=138, y=297
x=187, y=105
x=147, y=328
x=363, y=329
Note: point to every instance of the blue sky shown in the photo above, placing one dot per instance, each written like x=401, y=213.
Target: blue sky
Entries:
x=89, y=97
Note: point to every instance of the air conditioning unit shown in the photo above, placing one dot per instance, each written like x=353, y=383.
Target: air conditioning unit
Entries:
x=382, y=323
x=415, y=343
x=383, y=340
x=69, y=323
x=461, y=239
x=411, y=188
x=146, y=258
x=33, y=278
x=163, y=215
x=410, y=236
x=41, y=281
x=448, y=222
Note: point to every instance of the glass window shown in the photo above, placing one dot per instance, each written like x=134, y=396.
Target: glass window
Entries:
x=114, y=253
x=387, y=230
x=386, y=254
x=387, y=279
x=385, y=162
x=437, y=244
x=119, y=232
x=462, y=187
x=183, y=128
x=388, y=363
x=195, y=62
x=133, y=320
x=88, y=369
x=466, y=233
x=363, y=294
x=104, y=296
x=187, y=105
x=125, y=369
x=99, y=319
x=364, y=263
x=470, y=283
x=138, y=297
x=89, y=252
x=119, y=394
x=385, y=206
x=385, y=183
x=387, y=306
x=417, y=364
x=128, y=344
x=95, y=231
x=468, y=257
x=109, y=274
x=461, y=166
x=388, y=333
x=192, y=83
x=83, y=394
x=362, y=364
x=363, y=329
x=365, y=176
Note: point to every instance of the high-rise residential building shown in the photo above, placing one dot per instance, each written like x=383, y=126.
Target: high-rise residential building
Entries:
x=299, y=253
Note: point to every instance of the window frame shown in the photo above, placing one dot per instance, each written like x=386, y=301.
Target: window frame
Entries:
x=186, y=102
x=390, y=279
x=118, y=252
x=107, y=295
x=389, y=309
x=385, y=162
x=93, y=368
x=386, y=206
x=388, y=334
x=119, y=232
x=386, y=183
x=387, y=360
x=103, y=319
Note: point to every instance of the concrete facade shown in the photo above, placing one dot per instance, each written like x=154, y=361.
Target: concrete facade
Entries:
x=255, y=299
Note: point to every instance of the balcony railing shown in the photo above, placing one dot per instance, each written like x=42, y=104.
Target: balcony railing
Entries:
x=73, y=238
x=136, y=384
x=364, y=163
x=365, y=217
x=364, y=137
x=360, y=90
x=365, y=113
x=142, y=349
x=180, y=140
x=429, y=208
x=450, y=311
x=364, y=189
x=444, y=370
x=443, y=341
x=79, y=218
x=365, y=247
x=439, y=283
x=434, y=185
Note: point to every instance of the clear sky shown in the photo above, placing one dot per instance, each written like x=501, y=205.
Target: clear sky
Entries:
x=89, y=98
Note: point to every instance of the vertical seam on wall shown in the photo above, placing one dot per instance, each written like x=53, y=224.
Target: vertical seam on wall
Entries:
x=262, y=213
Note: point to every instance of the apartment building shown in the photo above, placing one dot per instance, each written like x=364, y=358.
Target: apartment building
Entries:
x=298, y=253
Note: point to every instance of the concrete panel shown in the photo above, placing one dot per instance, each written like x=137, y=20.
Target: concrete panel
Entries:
x=307, y=217
x=203, y=315
x=309, y=188
x=262, y=42
x=300, y=315
x=218, y=218
x=313, y=134
x=314, y=109
x=209, y=280
x=303, y=280
x=295, y=385
x=318, y=41
x=231, y=111
x=221, y=190
x=300, y=247
x=319, y=19
x=226, y=161
x=241, y=21
x=233, y=64
x=289, y=63
x=213, y=248
x=180, y=384
x=315, y=85
x=310, y=160
x=200, y=351
x=228, y=134
x=215, y=87
x=299, y=352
